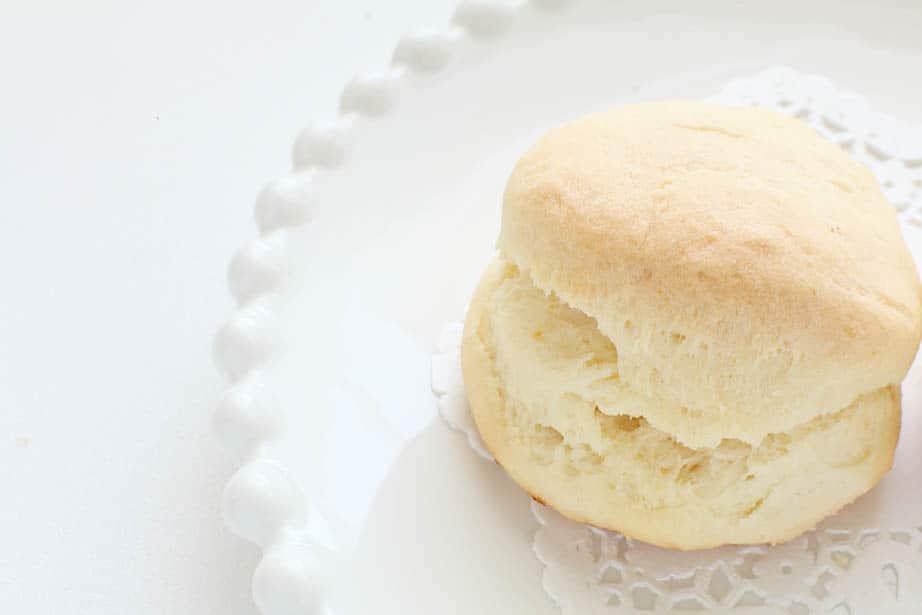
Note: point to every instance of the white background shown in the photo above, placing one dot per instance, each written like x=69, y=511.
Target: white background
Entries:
x=133, y=139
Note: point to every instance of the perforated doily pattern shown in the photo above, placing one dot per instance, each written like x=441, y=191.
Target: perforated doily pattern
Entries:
x=589, y=571
x=890, y=148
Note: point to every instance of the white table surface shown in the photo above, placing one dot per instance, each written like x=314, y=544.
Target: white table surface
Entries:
x=133, y=139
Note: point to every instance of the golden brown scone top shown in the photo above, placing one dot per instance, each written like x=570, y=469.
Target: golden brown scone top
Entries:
x=751, y=274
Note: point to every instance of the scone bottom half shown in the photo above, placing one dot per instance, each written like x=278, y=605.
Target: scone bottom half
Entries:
x=544, y=390
x=676, y=382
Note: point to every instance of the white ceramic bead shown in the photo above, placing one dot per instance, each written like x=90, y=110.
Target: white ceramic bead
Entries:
x=424, y=51
x=484, y=19
x=247, y=416
x=323, y=145
x=245, y=341
x=284, y=202
x=260, y=500
x=293, y=579
x=259, y=268
x=372, y=94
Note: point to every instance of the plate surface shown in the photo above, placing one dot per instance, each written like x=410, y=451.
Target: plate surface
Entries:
x=363, y=499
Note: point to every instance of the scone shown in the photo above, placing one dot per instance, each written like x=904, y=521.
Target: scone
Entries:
x=696, y=326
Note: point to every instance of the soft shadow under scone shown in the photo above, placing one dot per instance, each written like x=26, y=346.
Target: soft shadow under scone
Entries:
x=696, y=327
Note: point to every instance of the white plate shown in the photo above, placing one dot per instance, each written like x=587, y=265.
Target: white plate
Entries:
x=362, y=498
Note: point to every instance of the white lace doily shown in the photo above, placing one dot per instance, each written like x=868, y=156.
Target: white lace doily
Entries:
x=874, y=567
x=890, y=148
